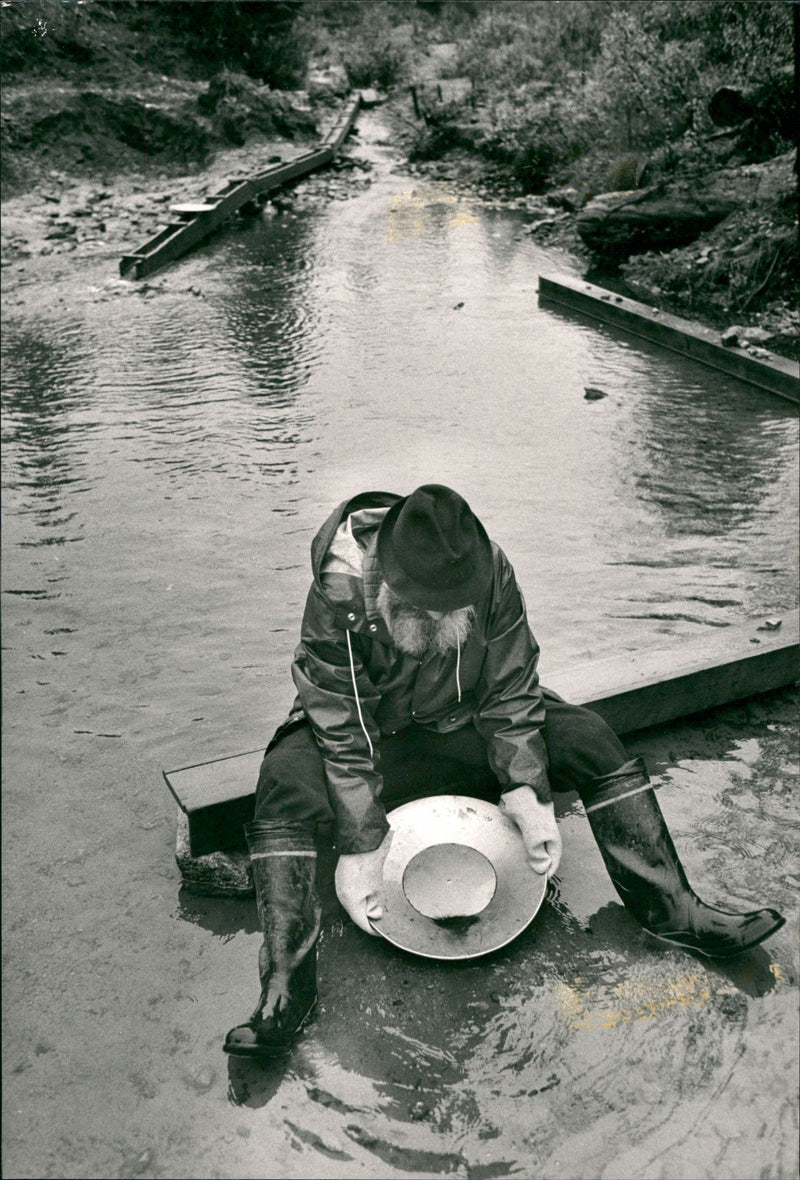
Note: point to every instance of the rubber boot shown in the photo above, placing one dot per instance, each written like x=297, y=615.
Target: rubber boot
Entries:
x=284, y=863
x=643, y=864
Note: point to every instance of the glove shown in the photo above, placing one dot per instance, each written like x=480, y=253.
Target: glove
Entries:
x=359, y=883
x=537, y=823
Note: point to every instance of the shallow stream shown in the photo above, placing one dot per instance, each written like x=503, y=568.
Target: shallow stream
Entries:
x=169, y=451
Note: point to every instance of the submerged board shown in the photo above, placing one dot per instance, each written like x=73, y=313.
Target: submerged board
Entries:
x=630, y=691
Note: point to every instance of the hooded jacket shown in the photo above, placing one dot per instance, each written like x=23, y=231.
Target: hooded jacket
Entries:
x=355, y=685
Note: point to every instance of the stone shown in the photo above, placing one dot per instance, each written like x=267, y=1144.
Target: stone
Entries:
x=617, y=225
x=569, y=198
x=327, y=82
x=744, y=336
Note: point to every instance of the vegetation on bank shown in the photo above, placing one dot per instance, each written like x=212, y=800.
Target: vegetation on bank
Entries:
x=555, y=81
x=594, y=95
x=567, y=88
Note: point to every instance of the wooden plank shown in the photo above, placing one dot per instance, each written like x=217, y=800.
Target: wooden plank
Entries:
x=202, y=218
x=218, y=798
x=641, y=689
x=630, y=691
x=774, y=373
x=171, y=244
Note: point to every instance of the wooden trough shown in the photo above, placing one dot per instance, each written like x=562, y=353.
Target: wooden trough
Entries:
x=200, y=218
x=632, y=691
x=773, y=373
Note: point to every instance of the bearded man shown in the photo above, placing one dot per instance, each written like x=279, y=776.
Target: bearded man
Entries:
x=415, y=652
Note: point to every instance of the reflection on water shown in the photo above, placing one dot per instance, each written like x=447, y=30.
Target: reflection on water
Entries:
x=379, y=342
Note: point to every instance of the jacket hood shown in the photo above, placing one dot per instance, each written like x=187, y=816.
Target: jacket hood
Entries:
x=322, y=541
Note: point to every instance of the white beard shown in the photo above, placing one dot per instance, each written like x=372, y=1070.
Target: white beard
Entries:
x=418, y=634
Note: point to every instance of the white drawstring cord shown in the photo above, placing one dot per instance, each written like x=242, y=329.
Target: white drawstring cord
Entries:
x=355, y=690
x=458, y=669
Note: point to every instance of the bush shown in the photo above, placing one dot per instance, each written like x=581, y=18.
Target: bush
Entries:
x=747, y=41
x=257, y=37
x=645, y=86
x=513, y=44
x=612, y=77
x=368, y=53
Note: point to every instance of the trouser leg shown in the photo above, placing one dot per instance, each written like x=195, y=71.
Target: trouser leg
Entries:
x=418, y=762
x=633, y=838
x=414, y=763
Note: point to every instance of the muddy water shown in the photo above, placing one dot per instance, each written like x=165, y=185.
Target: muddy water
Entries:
x=169, y=451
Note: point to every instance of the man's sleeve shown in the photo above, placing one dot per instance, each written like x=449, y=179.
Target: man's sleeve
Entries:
x=511, y=713
x=343, y=724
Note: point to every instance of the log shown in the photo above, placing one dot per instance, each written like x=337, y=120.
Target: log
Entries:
x=615, y=225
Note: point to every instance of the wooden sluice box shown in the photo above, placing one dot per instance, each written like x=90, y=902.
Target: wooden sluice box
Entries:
x=218, y=799
x=631, y=692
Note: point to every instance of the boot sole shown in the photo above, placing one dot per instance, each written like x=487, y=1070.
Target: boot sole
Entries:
x=266, y=1050
x=732, y=954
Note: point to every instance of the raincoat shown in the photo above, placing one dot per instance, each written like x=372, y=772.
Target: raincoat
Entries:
x=355, y=686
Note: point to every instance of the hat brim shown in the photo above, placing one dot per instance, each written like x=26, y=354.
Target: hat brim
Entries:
x=437, y=598
x=479, y=825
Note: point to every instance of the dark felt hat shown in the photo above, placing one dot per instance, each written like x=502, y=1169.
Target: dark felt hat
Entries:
x=433, y=551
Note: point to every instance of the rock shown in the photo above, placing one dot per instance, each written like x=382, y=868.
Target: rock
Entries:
x=761, y=111
x=327, y=82
x=756, y=335
x=544, y=221
x=744, y=337
x=371, y=98
x=615, y=225
x=137, y=1163
x=220, y=874
x=201, y=1080
x=626, y=173
x=571, y=199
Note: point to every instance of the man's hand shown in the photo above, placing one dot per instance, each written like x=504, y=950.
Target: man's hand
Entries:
x=359, y=883
x=537, y=823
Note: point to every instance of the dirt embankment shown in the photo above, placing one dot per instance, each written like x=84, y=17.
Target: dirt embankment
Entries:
x=91, y=168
